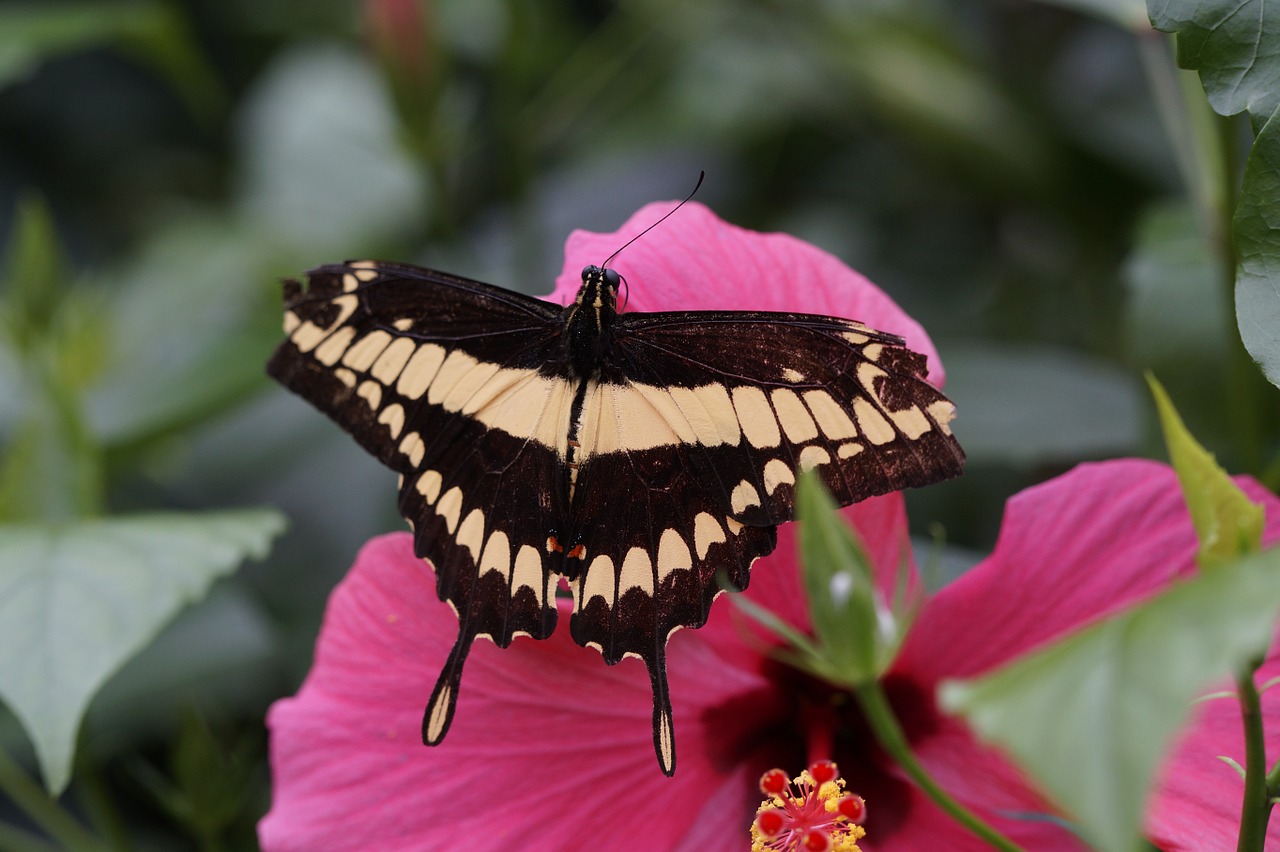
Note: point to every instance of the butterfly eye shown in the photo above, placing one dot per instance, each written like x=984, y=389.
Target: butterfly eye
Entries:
x=590, y=271
x=611, y=278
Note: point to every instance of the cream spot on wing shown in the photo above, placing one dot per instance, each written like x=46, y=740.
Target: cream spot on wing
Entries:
x=793, y=416
x=362, y=355
x=832, y=419
x=692, y=406
x=392, y=360
x=666, y=742
x=811, y=457
x=867, y=375
x=848, y=451
x=735, y=527
x=471, y=533
x=420, y=370
x=393, y=417
x=350, y=283
x=450, y=507
x=291, y=322
x=370, y=392
x=528, y=572
x=876, y=428
x=345, y=376
x=755, y=415
x=411, y=445
x=673, y=554
x=497, y=555
x=332, y=349
x=429, y=485
x=943, y=412
x=599, y=581
x=719, y=406
x=872, y=351
x=637, y=572
x=855, y=338
x=365, y=270
x=777, y=473
x=792, y=375
x=308, y=335
x=459, y=378
x=706, y=532
x=910, y=421
x=744, y=496
x=438, y=713
x=403, y=324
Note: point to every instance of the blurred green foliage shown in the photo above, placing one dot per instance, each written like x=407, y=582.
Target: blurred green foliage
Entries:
x=1022, y=177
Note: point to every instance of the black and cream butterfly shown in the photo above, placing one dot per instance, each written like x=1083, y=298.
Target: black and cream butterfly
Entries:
x=643, y=457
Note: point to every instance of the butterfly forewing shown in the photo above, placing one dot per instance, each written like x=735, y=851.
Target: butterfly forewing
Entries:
x=757, y=397
x=439, y=378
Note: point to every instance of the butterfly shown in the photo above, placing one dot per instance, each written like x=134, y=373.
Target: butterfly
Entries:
x=645, y=459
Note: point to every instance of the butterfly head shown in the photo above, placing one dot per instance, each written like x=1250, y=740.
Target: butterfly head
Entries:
x=599, y=291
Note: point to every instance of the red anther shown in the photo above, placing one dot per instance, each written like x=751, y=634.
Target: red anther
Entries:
x=770, y=822
x=816, y=840
x=773, y=782
x=853, y=808
x=823, y=771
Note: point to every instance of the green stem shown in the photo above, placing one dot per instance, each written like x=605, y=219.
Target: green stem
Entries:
x=891, y=738
x=43, y=809
x=1255, y=808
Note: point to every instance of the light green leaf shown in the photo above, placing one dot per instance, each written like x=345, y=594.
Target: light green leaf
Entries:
x=78, y=600
x=1256, y=231
x=1091, y=716
x=855, y=635
x=190, y=322
x=324, y=169
x=1228, y=524
x=1234, y=44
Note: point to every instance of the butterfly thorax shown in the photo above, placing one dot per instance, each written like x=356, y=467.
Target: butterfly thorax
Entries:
x=589, y=321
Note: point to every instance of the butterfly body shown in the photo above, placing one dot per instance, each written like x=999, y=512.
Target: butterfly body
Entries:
x=644, y=458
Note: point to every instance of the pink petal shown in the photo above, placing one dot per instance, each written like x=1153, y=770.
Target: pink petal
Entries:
x=1197, y=801
x=1070, y=551
x=697, y=261
x=548, y=743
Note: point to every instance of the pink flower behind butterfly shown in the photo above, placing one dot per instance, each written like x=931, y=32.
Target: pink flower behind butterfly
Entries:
x=551, y=749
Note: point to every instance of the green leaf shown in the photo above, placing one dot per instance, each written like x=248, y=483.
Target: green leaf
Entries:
x=34, y=275
x=1256, y=232
x=855, y=635
x=78, y=600
x=1091, y=716
x=1234, y=44
x=33, y=32
x=1227, y=522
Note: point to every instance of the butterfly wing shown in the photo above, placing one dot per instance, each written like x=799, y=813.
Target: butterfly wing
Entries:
x=691, y=442
x=439, y=377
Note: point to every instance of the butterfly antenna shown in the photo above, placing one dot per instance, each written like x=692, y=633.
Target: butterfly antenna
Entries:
x=701, y=175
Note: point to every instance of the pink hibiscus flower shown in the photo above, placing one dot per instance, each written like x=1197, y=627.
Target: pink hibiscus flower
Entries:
x=551, y=749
